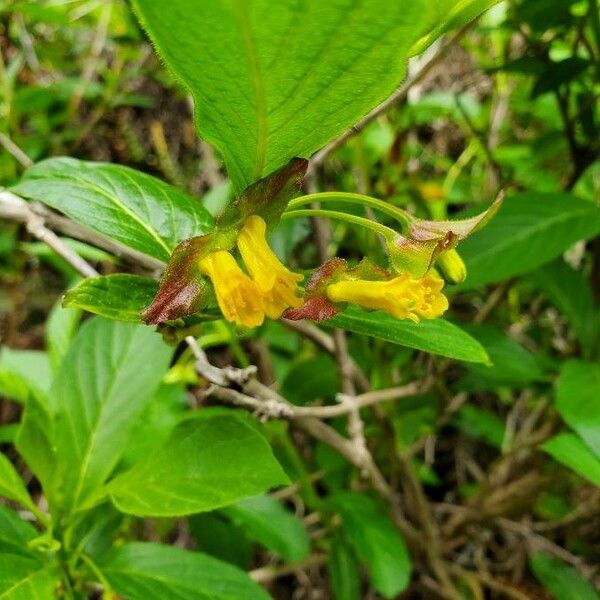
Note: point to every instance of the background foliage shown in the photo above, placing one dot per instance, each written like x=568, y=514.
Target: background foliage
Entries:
x=473, y=468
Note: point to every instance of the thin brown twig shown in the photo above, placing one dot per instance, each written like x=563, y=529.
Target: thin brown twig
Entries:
x=69, y=228
x=16, y=152
x=14, y=208
x=325, y=341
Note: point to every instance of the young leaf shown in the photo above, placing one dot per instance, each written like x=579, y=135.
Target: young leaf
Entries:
x=561, y=580
x=266, y=521
x=120, y=203
x=569, y=450
x=23, y=578
x=210, y=460
x=376, y=541
x=144, y=571
x=344, y=573
x=106, y=379
x=529, y=230
x=436, y=336
x=577, y=400
x=270, y=83
x=11, y=484
x=61, y=328
x=119, y=296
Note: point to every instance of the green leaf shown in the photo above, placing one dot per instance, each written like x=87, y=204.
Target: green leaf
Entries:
x=377, y=542
x=561, y=580
x=104, y=383
x=15, y=533
x=344, y=573
x=437, y=336
x=120, y=203
x=312, y=378
x=571, y=293
x=11, y=484
x=119, y=296
x=61, y=328
x=274, y=82
x=23, y=578
x=24, y=372
x=569, y=450
x=144, y=571
x=448, y=14
x=578, y=400
x=528, y=231
x=481, y=423
x=221, y=539
x=264, y=520
x=161, y=415
x=512, y=365
x=210, y=460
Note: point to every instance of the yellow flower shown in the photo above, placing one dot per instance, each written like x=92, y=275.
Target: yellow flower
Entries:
x=277, y=284
x=404, y=297
x=238, y=296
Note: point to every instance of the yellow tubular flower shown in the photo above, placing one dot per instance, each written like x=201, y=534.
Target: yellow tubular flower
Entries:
x=238, y=296
x=404, y=297
x=277, y=284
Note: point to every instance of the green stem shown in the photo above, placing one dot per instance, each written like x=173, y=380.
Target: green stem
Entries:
x=396, y=213
x=97, y=572
x=386, y=232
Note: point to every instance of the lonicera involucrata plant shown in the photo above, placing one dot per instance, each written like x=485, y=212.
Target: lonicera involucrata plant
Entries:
x=272, y=84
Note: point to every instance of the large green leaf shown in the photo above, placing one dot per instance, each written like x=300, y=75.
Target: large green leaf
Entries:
x=571, y=293
x=578, y=400
x=569, y=450
x=119, y=296
x=125, y=205
x=23, y=578
x=264, y=520
x=11, y=484
x=105, y=380
x=274, y=81
x=143, y=571
x=529, y=230
x=437, y=336
x=561, y=580
x=15, y=533
x=209, y=461
x=377, y=542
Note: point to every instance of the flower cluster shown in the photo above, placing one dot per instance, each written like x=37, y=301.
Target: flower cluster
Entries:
x=269, y=288
x=261, y=286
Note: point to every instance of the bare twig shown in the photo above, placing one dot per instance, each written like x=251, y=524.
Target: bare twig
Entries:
x=325, y=341
x=265, y=574
x=14, y=208
x=71, y=229
x=13, y=149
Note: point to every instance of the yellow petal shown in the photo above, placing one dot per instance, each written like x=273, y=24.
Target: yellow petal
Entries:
x=238, y=296
x=277, y=284
x=404, y=297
